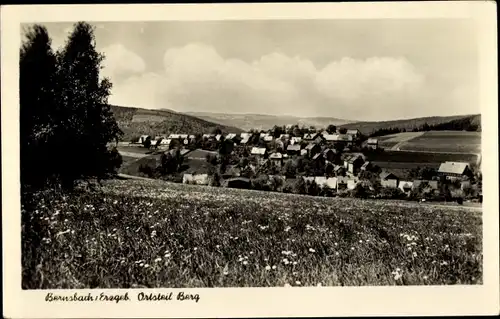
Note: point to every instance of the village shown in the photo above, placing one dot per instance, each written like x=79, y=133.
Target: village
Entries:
x=290, y=159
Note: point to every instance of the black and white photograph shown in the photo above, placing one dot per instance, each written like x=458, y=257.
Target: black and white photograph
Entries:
x=238, y=153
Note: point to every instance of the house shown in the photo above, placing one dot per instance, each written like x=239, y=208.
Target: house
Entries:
x=295, y=140
x=388, y=179
x=319, y=159
x=293, y=149
x=303, y=152
x=276, y=158
x=262, y=135
x=318, y=139
x=268, y=138
x=330, y=137
x=372, y=143
x=237, y=182
x=366, y=166
x=355, y=133
x=313, y=149
x=165, y=142
x=337, y=169
x=258, y=151
x=245, y=141
x=245, y=135
x=208, y=136
x=183, y=136
x=143, y=138
x=329, y=154
x=198, y=179
x=353, y=162
x=310, y=136
x=454, y=170
x=405, y=186
x=218, y=137
x=230, y=136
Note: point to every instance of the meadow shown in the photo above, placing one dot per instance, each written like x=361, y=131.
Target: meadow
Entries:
x=138, y=233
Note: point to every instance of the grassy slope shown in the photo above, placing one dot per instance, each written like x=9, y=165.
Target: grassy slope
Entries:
x=135, y=122
x=153, y=234
x=408, y=124
x=260, y=121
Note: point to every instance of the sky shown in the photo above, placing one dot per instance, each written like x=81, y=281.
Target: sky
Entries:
x=351, y=69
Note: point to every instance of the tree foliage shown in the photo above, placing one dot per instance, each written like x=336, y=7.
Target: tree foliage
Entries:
x=66, y=121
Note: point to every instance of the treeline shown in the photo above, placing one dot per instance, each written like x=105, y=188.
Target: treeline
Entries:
x=65, y=120
x=464, y=124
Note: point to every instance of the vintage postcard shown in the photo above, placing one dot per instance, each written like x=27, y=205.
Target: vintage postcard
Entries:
x=250, y=160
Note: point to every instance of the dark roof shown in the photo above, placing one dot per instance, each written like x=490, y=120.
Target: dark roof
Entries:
x=387, y=175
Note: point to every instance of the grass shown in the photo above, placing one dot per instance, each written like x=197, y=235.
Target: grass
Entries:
x=420, y=157
x=156, y=234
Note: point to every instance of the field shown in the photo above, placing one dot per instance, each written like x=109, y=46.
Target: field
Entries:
x=155, y=234
x=413, y=158
x=434, y=141
x=446, y=141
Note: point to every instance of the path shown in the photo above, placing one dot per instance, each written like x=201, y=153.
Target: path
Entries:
x=405, y=140
x=132, y=154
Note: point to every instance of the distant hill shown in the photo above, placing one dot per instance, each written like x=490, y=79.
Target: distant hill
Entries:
x=264, y=122
x=136, y=121
x=409, y=124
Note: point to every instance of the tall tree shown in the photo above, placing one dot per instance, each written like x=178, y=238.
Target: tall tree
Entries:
x=37, y=106
x=84, y=98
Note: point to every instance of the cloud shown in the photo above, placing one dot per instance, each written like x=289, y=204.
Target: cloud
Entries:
x=120, y=62
x=197, y=78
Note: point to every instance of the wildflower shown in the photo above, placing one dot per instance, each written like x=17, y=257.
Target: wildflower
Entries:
x=158, y=259
x=294, y=263
x=226, y=272
x=195, y=248
x=146, y=266
x=415, y=254
x=141, y=264
x=352, y=248
x=245, y=263
x=425, y=277
x=298, y=283
x=444, y=263
x=287, y=228
x=167, y=255
x=217, y=246
x=268, y=267
x=319, y=285
x=312, y=250
x=115, y=202
x=336, y=253
x=287, y=286
x=360, y=241
x=274, y=267
x=153, y=233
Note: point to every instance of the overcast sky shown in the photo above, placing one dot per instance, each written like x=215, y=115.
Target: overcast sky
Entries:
x=350, y=69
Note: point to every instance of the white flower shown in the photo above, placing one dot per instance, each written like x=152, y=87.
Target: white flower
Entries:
x=287, y=285
x=274, y=267
x=312, y=250
x=158, y=259
x=268, y=267
x=298, y=283
x=245, y=262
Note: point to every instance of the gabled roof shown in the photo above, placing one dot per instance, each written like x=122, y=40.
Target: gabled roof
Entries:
x=365, y=165
x=327, y=150
x=318, y=155
x=387, y=175
x=230, y=136
x=192, y=136
x=268, y=138
x=208, y=135
x=372, y=141
x=310, y=136
x=258, y=151
x=284, y=135
x=245, y=140
x=174, y=136
x=303, y=152
x=453, y=167
x=310, y=146
x=331, y=137
x=276, y=156
x=293, y=147
x=218, y=136
x=243, y=135
x=296, y=138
